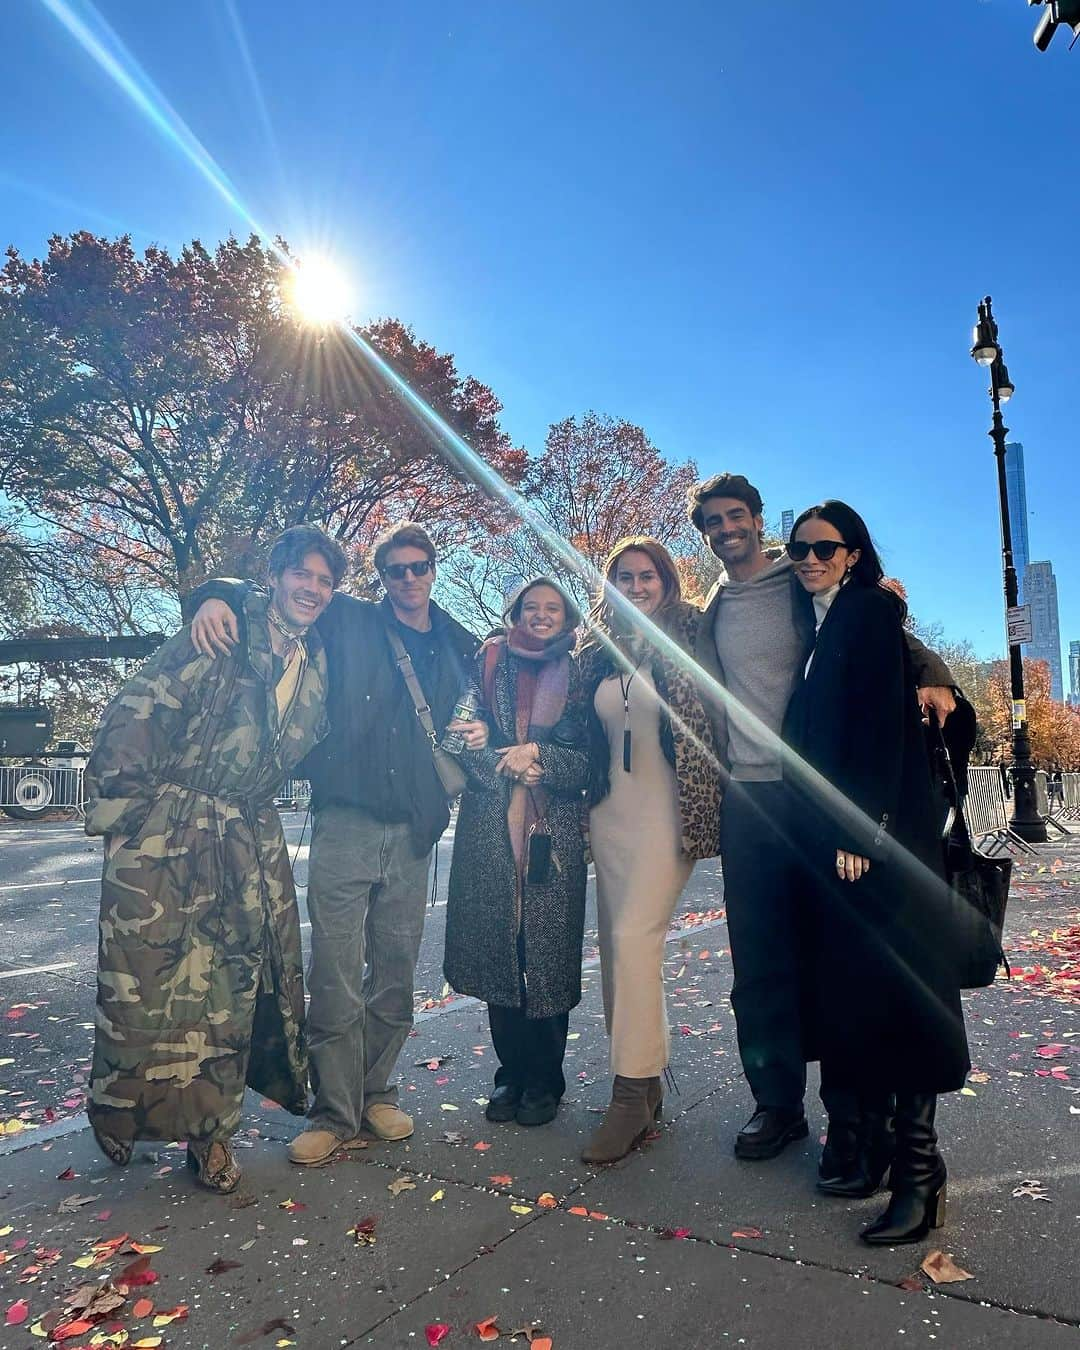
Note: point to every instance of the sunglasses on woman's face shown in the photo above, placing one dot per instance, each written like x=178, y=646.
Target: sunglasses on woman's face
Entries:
x=824, y=550
x=397, y=571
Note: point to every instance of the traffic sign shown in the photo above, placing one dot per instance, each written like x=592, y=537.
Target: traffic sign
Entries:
x=1018, y=621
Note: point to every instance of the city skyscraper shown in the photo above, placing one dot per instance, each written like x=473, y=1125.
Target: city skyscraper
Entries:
x=1018, y=513
x=1040, y=592
x=1074, y=673
x=787, y=519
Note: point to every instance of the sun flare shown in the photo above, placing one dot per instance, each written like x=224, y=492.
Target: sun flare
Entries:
x=319, y=291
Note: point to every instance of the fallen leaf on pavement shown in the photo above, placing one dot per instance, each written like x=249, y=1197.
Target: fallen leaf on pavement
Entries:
x=220, y=1266
x=747, y=1233
x=942, y=1269
x=267, y=1329
x=400, y=1184
x=74, y=1203
x=521, y=1209
x=501, y=1180
x=177, y=1314
x=1033, y=1189
x=481, y=1147
x=292, y=1205
x=911, y=1283
x=547, y=1201
x=364, y=1232
x=66, y=1330
x=436, y=1332
x=143, y=1308
x=17, y=1313
x=68, y=1174
x=487, y=1330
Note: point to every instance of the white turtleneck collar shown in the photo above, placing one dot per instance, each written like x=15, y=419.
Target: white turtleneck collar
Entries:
x=822, y=601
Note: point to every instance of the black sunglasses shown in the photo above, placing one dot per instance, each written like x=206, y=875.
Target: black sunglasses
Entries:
x=397, y=571
x=823, y=549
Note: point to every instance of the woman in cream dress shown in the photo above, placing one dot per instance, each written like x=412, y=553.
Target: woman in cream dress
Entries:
x=654, y=797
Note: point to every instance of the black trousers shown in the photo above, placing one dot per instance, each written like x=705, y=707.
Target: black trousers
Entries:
x=530, y=1049
x=767, y=927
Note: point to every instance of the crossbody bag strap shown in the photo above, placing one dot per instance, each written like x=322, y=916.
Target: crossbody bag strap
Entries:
x=403, y=661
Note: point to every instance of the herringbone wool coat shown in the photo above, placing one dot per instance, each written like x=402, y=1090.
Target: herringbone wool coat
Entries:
x=200, y=989
x=482, y=909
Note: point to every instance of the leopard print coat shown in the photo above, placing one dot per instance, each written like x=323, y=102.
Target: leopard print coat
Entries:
x=686, y=732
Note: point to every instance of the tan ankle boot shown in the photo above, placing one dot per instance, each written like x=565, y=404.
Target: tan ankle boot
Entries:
x=626, y=1122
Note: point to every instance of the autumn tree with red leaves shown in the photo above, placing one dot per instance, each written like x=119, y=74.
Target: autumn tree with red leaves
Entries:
x=170, y=415
x=598, y=479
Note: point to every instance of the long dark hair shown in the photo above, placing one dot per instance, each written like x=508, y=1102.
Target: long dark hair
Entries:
x=851, y=527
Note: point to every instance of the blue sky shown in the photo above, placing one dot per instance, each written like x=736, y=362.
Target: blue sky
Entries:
x=760, y=231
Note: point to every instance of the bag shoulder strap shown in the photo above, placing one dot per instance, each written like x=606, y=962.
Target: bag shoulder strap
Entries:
x=403, y=661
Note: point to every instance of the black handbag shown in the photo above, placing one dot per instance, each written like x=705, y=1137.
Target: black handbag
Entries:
x=978, y=884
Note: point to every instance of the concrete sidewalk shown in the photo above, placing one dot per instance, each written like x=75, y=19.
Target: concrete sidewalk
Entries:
x=679, y=1245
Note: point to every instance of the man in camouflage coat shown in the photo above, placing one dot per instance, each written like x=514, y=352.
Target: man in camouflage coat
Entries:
x=200, y=988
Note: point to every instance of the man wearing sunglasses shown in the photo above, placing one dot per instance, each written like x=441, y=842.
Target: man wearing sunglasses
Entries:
x=378, y=811
x=757, y=633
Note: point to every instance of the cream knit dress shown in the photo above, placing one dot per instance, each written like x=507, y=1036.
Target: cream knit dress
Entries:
x=636, y=835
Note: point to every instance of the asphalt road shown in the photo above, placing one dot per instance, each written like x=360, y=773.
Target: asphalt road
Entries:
x=49, y=889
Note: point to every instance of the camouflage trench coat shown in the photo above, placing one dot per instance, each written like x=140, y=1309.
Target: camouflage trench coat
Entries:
x=200, y=989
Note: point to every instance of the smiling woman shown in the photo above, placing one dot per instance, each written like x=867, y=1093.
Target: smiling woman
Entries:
x=318, y=291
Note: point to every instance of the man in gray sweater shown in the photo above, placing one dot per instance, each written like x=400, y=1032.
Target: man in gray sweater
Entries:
x=755, y=640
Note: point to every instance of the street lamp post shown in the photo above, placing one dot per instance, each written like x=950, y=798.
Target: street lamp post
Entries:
x=986, y=350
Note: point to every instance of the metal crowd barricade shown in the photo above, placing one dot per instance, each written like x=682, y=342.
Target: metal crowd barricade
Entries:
x=984, y=812
x=1045, y=799
x=295, y=795
x=1068, y=805
x=1070, y=783
x=27, y=791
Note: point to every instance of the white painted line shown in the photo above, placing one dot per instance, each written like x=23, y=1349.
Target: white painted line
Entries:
x=56, y=885
x=35, y=970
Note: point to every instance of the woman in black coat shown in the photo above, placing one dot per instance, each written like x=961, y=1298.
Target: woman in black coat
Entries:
x=516, y=907
x=884, y=994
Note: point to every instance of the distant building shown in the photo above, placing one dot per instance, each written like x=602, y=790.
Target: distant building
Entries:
x=1040, y=592
x=1074, y=674
x=787, y=520
x=1018, y=512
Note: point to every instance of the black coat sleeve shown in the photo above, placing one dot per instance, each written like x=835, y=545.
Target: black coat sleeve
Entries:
x=869, y=747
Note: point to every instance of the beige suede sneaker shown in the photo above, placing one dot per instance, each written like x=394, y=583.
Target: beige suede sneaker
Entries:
x=314, y=1146
x=386, y=1121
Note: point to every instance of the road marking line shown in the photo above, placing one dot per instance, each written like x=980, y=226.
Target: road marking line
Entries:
x=36, y=885
x=35, y=970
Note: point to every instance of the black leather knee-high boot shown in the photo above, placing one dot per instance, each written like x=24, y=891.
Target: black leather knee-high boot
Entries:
x=875, y=1143
x=918, y=1177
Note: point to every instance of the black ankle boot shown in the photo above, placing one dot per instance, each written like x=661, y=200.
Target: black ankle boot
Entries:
x=875, y=1146
x=840, y=1156
x=918, y=1177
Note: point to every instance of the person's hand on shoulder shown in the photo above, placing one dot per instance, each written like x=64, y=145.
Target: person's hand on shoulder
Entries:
x=214, y=629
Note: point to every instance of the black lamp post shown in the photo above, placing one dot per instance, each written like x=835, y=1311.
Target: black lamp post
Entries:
x=1026, y=821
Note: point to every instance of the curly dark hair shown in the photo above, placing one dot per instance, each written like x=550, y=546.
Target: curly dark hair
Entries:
x=293, y=545
x=722, y=485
